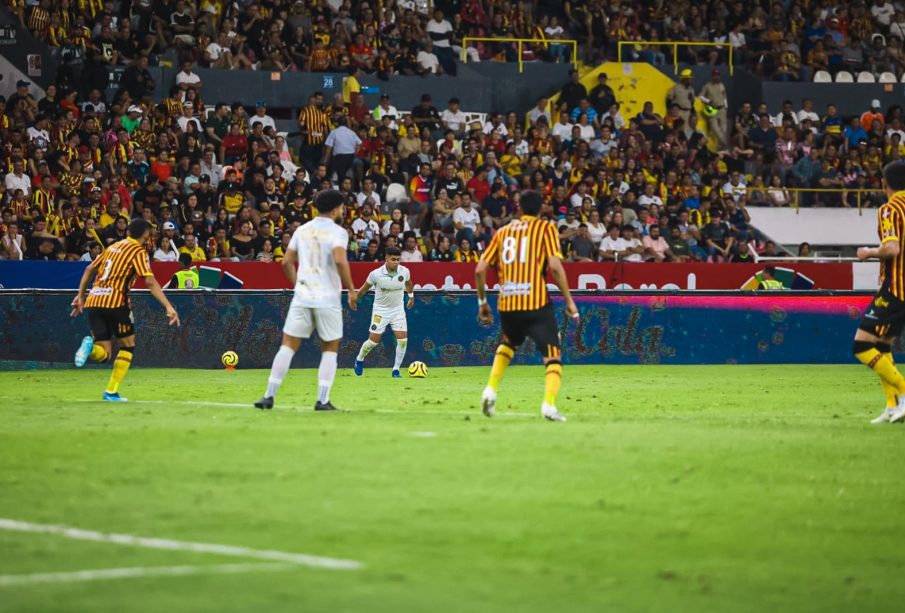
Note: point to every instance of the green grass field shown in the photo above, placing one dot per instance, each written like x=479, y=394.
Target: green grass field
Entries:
x=706, y=488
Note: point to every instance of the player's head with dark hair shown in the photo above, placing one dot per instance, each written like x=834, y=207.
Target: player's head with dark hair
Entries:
x=770, y=270
x=894, y=175
x=138, y=228
x=185, y=260
x=531, y=202
x=393, y=252
x=328, y=201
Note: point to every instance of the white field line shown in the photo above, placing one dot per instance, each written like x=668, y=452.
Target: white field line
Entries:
x=173, y=545
x=142, y=571
x=248, y=405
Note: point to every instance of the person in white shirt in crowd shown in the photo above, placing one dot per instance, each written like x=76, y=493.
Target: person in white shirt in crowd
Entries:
x=17, y=179
x=466, y=219
x=394, y=288
x=568, y=227
x=735, y=187
x=188, y=116
x=602, y=145
x=211, y=168
x=12, y=244
x=427, y=59
x=397, y=216
x=882, y=11
x=897, y=28
x=633, y=247
x=648, y=197
x=365, y=227
x=185, y=78
x=807, y=112
x=440, y=32
x=562, y=129
x=261, y=116
x=385, y=109
x=411, y=251
x=581, y=192
x=340, y=147
x=316, y=265
x=541, y=109
x=38, y=134
x=368, y=193
x=166, y=249
x=612, y=246
x=787, y=112
x=93, y=250
x=495, y=123
x=453, y=118
x=618, y=119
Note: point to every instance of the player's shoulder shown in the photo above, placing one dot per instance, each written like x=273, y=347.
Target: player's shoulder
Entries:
x=404, y=270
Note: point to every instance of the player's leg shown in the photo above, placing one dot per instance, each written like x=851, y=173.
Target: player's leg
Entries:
x=96, y=346
x=299, y=324
x=378, y=325
x=874, y=330
x=400, y=331
x=546, y=335
x=892, y=395
x=513, y=336
x=329, y=322
x=124, y=330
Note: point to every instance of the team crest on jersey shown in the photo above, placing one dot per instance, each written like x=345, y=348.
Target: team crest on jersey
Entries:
x=373, y=327
x=400, y=277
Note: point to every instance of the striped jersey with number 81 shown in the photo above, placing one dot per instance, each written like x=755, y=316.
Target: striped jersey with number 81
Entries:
x=519, y=252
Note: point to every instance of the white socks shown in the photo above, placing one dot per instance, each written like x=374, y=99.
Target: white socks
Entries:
x=366, y=348
x=281, y=362
x=326, y=372
x=401, y=344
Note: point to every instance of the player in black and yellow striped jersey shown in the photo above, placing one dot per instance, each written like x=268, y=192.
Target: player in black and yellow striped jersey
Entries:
x=109, y=308
x=522, y=253
x=884, y=319
x=315, y=124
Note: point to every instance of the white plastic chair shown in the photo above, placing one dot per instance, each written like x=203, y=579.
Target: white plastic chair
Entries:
x=887, y=77
x=844, y=77
x=866, y=77
x=396, y=193
x=822, y=76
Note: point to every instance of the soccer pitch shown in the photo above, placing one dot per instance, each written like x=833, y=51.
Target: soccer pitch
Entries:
x=704, y=488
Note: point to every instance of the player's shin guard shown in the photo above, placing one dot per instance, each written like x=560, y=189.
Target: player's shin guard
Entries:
x=401, y=344
x=120, y=368
x=366, y=348
x=326, y=372
x=501, y=360
x=552, y=382
x=867, y=353
x=281, y=362
x=892, y=396
x=98, y=354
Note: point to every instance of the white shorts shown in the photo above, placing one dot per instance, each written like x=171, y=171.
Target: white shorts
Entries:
x=396, y=322
x=301, y=321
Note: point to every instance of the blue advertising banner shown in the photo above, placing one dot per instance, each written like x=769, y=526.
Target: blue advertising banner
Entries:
x=614, y=328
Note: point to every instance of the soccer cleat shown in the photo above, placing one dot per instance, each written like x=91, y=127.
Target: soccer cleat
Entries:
x=884, y=417
x=396, y=374
x=549, y=412
x=359, y=367
x=114, y=397
x=84, y=351
x=324, y=406
x=488, y=402
x=264, y=403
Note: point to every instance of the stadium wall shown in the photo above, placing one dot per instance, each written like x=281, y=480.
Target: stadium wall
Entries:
x=615, y=328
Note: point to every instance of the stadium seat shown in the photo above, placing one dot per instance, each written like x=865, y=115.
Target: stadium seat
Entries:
x=866, y=77
x=887, y=77
x=822, y=76
x=844, y=77
x=396, y=193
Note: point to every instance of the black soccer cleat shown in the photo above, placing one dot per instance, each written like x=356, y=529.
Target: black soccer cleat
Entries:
x=264, y=403
x=324, y=406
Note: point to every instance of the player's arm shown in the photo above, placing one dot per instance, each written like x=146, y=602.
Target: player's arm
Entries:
x=890, y=241
x=558, y=273
x=889, y=249
x=410, y=290
x=488, y=259
x=364, y=289
x=345, y=275
x=154, y=288
x=289, y=264
x=78, y=303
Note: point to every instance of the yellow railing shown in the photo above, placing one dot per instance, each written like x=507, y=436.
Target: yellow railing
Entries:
x=520, y=42
x=675, y=49
x=796, y=192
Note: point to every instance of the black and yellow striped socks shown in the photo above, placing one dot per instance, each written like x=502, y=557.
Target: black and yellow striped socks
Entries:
x=881, y=363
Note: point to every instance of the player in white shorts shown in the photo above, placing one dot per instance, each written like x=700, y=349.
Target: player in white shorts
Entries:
x=389, y=281
x=315, y=263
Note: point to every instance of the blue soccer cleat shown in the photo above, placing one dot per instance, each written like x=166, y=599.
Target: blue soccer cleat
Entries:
x=396, y=374
x=359, y=367
x=81, y=356
x=114, y=397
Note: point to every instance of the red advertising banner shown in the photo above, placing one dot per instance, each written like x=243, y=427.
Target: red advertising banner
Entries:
x=587, y=275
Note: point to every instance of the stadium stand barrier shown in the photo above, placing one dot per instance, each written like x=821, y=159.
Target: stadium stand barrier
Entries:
x=521, y=44
x=675, y=45
x=615, y=328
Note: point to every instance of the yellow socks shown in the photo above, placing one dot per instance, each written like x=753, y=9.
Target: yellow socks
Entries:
x=501, y=360
x=892, y=396
x=880, y=363
x=98, y=354
x=120, y=368
x=552, y=382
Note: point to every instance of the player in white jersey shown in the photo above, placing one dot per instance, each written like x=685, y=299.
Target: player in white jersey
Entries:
x=389, y=282
x=315, y=264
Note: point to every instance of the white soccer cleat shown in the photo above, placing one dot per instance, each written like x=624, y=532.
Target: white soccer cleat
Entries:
x=884, y=417
x=549, y=412
x=488, y=401
x=898, y=414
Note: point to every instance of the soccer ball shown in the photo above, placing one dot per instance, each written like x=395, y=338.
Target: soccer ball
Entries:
x=230, y=359
x=418, y=370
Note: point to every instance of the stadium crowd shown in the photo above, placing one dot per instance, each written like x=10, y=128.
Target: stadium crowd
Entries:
x=220, y=183
x=777, y=40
